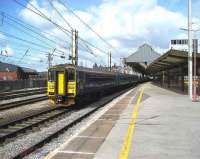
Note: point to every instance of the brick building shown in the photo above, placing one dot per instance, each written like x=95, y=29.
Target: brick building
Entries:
x=14, y=72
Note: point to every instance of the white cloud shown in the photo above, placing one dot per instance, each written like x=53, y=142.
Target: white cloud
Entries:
x=10, y=51
x=5, y=47
x=125, y=24
x=32, y=17
x=160, y=50
x=7, y=51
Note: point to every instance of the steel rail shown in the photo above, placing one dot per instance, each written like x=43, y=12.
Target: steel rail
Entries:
x=22, y=94
x=11, y=129
x=22, y=102
x=49, y=137
x=22, y=91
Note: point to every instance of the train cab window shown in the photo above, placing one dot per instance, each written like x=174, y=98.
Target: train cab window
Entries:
x=71, y=74
x=51, y=75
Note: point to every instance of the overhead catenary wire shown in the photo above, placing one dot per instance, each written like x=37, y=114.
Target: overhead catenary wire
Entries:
x=14, y=26
x=27, y=41
x=27, y=33
x=24, y=47
x=87, y=25
x=69, y=25
x=52, y=5
x=17, y=48
x=67, y=32
x=37, y=33
x=86, y=46
x=21, y=59
x=84, y=42
x=31, y=27
x=39, y=13
x=2, y=20
x=15, y=60
x=31, y=57
x=23, y=55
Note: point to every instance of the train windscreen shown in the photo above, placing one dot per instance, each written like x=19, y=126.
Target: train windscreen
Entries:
x=51, y=75
x=71, y=74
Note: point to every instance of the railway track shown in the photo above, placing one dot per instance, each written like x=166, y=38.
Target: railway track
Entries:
x=59, y=130
x=12, y=129
x=21, y=93
x=18, y=103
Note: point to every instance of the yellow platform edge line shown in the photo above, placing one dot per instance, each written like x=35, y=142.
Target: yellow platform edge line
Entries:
x=129, y=136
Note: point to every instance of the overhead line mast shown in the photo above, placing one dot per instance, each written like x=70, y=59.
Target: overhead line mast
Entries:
x=74, y=48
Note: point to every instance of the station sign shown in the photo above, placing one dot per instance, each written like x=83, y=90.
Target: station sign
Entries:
x=182, y=44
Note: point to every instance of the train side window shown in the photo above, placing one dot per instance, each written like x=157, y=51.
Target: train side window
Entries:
x=71, y=75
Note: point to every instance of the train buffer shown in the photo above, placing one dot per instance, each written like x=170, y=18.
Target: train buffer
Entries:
x=146, y=122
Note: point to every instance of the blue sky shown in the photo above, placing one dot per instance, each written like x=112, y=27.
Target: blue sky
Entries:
x=11, y=7
x=175, y=5
x=125, y=24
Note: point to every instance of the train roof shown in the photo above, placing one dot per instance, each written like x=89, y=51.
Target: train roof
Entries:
x=84, y=69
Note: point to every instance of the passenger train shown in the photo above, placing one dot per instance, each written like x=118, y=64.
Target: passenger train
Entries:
x=68, y=85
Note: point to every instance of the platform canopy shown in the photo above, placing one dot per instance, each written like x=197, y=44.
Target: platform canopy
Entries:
x=170, y=59
x=140, y=60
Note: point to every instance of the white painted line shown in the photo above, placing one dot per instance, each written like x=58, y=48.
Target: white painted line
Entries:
x=111, y=114
x=108, y=120
x=91, y=137
x=76, y=152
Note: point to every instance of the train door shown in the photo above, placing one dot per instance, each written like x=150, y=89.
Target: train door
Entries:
x=61, y=85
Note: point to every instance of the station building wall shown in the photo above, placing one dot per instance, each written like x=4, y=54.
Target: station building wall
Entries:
x=176, y=79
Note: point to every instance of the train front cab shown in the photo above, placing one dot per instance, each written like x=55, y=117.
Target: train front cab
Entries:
x=62, y=86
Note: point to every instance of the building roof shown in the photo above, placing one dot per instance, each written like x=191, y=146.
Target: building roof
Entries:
x=142, y=58
x=170, y=59
x=144, y=54
x=28, y=70
x=6, y=67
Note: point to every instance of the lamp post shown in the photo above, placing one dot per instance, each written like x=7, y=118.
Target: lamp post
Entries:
x=193, y=96
x=190, y=80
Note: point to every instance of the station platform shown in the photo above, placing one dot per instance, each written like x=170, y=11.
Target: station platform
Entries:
x=147, y=122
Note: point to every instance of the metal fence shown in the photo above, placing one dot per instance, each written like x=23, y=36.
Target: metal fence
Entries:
x=21, y=84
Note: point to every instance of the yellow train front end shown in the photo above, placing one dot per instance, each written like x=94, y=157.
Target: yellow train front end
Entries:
x=62, y=85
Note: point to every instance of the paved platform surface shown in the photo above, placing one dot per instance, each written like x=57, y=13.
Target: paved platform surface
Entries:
x=167, y=126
